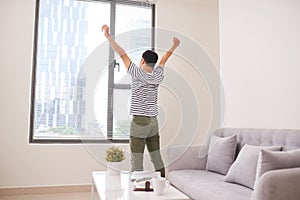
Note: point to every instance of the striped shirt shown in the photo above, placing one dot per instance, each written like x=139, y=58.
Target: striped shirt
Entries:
x=144, y=90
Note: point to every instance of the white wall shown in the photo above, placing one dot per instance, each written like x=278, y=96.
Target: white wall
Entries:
x=259, y=48
x=23, y=164
x=198, y=20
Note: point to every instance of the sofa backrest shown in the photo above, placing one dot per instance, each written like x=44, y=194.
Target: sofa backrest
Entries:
x=288, y=139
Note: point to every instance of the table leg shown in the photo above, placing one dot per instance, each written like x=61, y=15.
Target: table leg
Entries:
x=93, y=189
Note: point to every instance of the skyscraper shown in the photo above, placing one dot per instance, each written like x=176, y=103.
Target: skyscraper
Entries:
x=59, y=93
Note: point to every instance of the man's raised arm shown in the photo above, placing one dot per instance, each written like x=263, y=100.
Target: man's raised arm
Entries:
x=167, y=55
x=126, y=60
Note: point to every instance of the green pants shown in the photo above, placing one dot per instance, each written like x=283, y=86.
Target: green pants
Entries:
x=144, y=132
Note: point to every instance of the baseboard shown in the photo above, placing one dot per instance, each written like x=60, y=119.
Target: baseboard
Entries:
x=44, y=190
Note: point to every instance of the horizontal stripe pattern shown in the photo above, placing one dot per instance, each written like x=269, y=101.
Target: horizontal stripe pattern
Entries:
x=144, y=90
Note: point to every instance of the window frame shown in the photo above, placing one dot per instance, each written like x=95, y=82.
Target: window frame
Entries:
x=111, y=84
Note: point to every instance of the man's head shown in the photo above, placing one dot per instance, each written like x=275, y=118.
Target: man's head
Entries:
x=150, y=58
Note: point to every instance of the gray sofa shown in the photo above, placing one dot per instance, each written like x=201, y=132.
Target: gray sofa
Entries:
x=187, y=169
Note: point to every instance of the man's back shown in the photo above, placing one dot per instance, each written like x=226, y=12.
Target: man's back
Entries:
x=144, y=90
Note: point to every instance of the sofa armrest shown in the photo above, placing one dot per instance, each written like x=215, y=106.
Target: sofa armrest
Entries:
x=186, y=157
x=278, y=185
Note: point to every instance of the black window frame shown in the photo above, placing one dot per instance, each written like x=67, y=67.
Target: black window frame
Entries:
x=111, y=84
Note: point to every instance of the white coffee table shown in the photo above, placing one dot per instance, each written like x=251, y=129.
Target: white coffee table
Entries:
x=111, y=187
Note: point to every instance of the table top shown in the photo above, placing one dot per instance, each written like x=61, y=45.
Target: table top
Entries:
x=118, y=187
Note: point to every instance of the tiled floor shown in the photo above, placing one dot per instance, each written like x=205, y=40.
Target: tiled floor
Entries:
x=72, y=192
x=61, y=196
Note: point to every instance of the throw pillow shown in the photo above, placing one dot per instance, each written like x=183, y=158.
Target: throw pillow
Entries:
x=221, y=154
x=269, y=160
x=243, y=170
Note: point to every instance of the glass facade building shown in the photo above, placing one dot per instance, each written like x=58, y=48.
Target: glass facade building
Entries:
x=61, y=51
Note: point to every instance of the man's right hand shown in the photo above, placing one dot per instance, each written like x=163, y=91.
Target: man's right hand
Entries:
x=176, y=41
x=105, y=30
x=167, y=55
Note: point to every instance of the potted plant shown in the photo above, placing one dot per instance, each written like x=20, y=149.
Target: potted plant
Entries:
x=114, y=156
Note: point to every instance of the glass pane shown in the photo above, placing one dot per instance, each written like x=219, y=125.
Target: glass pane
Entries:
x=99, y=128
x=122, y=119
x=129, y=18
x=68, y=32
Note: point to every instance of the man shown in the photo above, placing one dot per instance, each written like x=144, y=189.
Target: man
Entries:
x=145, y=81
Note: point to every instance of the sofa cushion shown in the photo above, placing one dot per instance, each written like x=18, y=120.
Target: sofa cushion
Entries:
x=205, y=185
x=186, y=157
x=221, y=154
x=243, y=170
x=288, y=139
x=269, y=160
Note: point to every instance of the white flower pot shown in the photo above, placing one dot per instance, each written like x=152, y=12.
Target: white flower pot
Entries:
x=113, y=168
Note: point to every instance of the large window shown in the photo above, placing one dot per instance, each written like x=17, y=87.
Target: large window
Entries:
x=66, y=33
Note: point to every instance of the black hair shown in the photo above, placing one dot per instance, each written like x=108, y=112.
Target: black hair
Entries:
x=150, y=58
